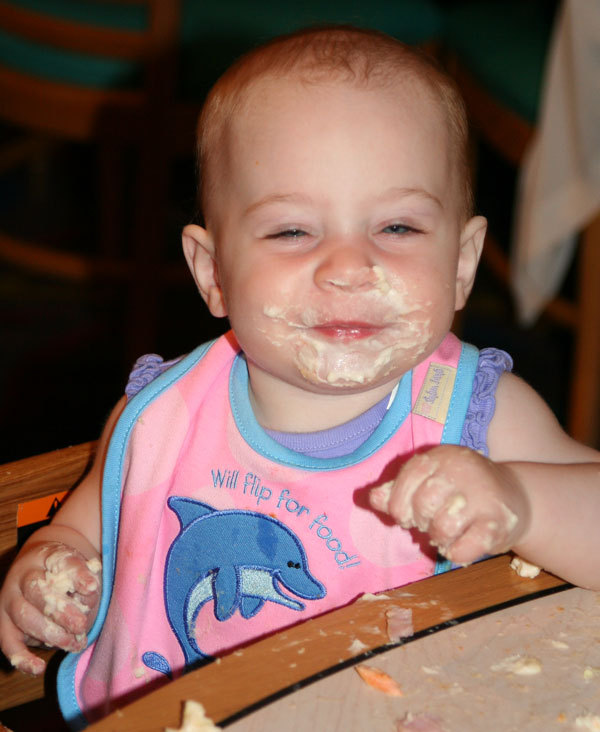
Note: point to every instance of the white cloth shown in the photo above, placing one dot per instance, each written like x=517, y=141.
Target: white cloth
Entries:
x=559, y=184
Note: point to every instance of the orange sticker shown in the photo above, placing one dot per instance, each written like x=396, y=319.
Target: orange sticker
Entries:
x=41, y=509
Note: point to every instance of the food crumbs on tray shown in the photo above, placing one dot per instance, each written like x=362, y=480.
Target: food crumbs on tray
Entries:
x=519, y=665
x=194, y=719
x=590, y=722
x=431, y=670
x=419, y=723
x=524, y=569
x=357, y=646
x=590, y=672
x=399, y=623
x=370, y=597
x=379, y=680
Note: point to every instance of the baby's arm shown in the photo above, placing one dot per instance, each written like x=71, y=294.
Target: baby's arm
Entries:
x=51, y=592
x=539, y=494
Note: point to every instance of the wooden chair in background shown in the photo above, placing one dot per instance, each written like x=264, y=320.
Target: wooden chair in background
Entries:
x=105, y=74
x=496, y=51
x=22, y=482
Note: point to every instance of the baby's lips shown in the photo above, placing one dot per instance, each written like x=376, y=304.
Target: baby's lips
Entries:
x=379, y=497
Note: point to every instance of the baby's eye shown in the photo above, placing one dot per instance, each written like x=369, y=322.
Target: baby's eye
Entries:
x=288, y=234
x=397, y=229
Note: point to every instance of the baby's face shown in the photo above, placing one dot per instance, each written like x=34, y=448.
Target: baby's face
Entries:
x=337, y=233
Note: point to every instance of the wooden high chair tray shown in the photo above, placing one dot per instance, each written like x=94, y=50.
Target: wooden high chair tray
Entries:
x=291, y=659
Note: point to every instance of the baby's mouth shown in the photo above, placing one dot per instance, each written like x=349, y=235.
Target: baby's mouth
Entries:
x=346, y=331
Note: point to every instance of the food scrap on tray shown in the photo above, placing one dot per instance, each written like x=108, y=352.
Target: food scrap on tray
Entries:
x=194, y=719
x=379, y=680
x=420, y=723
x=399, y=623
x=524, y=569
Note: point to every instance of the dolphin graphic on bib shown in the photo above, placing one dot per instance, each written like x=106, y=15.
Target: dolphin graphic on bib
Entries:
x=239, y=560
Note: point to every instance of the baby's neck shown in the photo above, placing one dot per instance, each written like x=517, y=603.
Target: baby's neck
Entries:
x=285, y=407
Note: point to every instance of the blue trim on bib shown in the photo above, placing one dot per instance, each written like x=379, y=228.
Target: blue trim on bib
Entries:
x=461, y=395
x=459, y=403
x=269, y=448
x=111, y=509
x=443, y=565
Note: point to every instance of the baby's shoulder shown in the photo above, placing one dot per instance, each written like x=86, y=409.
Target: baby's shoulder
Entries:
x=525, y=428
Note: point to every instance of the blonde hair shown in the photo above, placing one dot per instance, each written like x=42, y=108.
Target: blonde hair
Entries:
x=366, y=58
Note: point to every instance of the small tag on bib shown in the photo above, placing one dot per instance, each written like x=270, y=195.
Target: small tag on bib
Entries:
x=434, y=398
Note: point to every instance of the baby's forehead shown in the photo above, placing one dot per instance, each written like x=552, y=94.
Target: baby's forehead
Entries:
x=268, y=102
x=278, y=91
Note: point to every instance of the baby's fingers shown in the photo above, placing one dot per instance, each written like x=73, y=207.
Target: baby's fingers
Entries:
x=32, y=623
x=67, y=590
x=67, y=571
x=481, y=537
x=415, y=496
x=379, y=497
x=65, y=610
x=20, y=656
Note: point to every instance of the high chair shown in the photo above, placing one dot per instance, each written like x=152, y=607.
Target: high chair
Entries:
x=496, y=52
x=21, y=483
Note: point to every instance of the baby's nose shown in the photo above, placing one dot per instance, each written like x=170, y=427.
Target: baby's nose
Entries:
x=347, y=269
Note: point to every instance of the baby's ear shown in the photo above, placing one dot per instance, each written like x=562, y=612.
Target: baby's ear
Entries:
x=199, y=250
x=471, y=244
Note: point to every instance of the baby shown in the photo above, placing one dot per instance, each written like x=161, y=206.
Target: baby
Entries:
x=339, y=435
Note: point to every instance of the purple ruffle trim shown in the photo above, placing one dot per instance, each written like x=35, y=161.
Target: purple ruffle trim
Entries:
x=145, y=370
x=492, y=364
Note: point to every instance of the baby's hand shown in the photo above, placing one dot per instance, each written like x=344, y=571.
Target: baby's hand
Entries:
x=469, y=505
x=49, y=598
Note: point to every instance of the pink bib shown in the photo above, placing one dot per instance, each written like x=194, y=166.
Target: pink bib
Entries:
x=215, y=535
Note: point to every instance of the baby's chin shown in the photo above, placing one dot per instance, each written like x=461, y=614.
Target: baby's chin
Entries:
x=351, y=369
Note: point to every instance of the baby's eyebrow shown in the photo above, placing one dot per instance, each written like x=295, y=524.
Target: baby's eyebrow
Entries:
x=300, y=198
x=392, y=194
x=397, y=192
